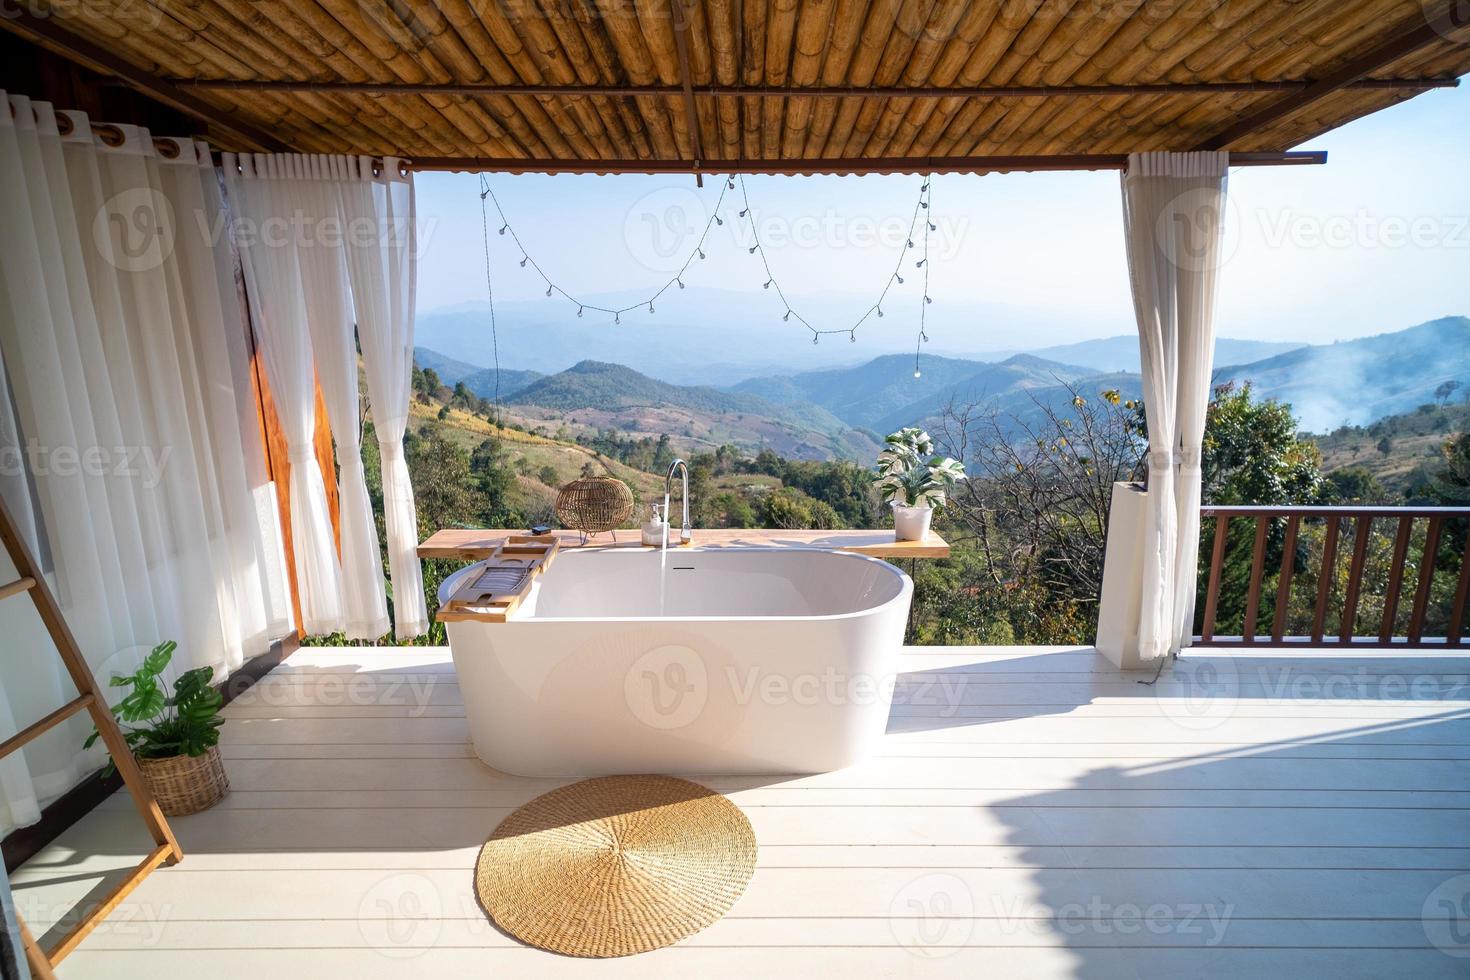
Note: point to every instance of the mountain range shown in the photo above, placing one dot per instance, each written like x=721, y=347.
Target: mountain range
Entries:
x=841, y=412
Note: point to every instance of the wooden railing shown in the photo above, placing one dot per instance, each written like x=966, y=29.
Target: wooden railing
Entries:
x=1434, y=618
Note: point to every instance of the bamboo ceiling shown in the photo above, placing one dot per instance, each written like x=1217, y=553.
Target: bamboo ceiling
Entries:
x=654, y=81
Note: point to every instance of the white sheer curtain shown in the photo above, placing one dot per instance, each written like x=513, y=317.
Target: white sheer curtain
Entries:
x=262, y=211
x=112, y=423
x=381, y=256
x=1173, y=215
x=312, y=189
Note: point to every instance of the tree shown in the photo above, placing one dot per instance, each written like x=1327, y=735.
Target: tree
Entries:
x=490, y=464
x=443, y=487
x=790, y=509
x=548, y=475
x=1356, y=485
x=1385, y=445
x=1450, y=486
x=1445, y=390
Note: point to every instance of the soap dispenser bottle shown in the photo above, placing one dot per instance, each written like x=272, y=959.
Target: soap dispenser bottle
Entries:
x=654, y=529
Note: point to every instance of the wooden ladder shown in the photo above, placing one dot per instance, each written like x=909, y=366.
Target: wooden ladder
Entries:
x=90, y=699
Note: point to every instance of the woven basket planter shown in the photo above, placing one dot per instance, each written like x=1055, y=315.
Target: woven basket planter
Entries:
x=184, y=784
x=594, y=504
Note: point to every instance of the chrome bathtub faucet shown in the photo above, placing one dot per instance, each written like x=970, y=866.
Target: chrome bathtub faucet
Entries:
x=686, y=532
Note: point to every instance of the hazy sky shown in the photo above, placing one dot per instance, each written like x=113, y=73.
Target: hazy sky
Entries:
x=1376, y=240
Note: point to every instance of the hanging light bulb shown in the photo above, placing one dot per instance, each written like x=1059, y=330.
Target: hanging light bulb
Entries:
x=880, y=311
x=924, y=337
x=579, y=311
x=924, y=204
x=548, y=289
x=852, y=337
x=752, y=249
x=916, y=372
x=732, y=185
x=617, y=318
x=767, y=284
x=680, y=282
x=787, y=316
x=928, y=299
x=911, y=243
x=650, y=306
x=933, y=226
x=899, y=278
x=744, y=212
x=523, y=260
x=919, y=264
x=815, y=337
x=502, y=228
x=925, y=186
x=719, y=220
x=701, y=253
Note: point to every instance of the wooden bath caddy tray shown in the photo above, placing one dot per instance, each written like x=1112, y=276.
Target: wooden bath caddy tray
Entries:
x=496, y=590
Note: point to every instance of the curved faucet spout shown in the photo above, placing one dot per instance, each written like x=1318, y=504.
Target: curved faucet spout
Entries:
x=686, y=532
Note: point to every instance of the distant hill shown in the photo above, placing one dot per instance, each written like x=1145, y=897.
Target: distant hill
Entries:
x=1005, y=384
x=1355, y=382
x=883, y=394
x=618, y=396
x=482, y=382
x=864, y=394
x=477, y=379
x=450, y=370
x=1121, y=353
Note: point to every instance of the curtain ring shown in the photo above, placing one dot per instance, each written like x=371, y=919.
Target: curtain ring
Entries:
x=64, y=124
x=167, y=148
x=109, y=134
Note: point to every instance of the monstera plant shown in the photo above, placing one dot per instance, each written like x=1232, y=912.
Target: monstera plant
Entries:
x=173, y=736
x=914, y=481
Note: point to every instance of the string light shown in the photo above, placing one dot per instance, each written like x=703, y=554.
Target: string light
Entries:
x=923, y=204
x=876, y=308
x=490, y=291
x=926, y=197
x=581, y=305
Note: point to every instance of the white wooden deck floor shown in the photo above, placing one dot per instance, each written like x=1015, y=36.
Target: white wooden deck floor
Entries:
x=1032, y=814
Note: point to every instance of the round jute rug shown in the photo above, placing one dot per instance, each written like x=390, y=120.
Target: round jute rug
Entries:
x=616, y=865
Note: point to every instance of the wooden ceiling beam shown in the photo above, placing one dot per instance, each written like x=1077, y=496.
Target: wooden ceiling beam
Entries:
x=1414, y=38
x=49, y=34
x=797, y=91
x=843, y=165
x=681, y=45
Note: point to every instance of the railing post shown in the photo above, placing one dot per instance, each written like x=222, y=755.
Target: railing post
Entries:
x=1283, y=587
x=1212, y=588
x=1355, y=579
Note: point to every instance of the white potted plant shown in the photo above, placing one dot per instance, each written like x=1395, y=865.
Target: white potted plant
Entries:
x=914, y=481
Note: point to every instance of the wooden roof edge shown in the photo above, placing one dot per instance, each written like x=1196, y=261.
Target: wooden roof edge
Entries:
x=1414, y=36
x=801, y=91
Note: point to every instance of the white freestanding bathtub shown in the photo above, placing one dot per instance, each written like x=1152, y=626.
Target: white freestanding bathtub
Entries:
x=749, y=660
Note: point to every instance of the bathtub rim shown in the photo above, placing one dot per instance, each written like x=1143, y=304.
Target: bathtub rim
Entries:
x=905, y=589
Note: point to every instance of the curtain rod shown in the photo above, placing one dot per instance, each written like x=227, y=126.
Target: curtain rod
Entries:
x=841, y=165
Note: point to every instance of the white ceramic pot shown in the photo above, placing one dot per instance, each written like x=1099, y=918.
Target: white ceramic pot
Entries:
x=912, y=523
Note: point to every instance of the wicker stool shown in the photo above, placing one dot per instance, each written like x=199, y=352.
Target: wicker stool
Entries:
x=594, y=504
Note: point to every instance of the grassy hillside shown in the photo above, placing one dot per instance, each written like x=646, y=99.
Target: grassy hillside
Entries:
x=1394, y=449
